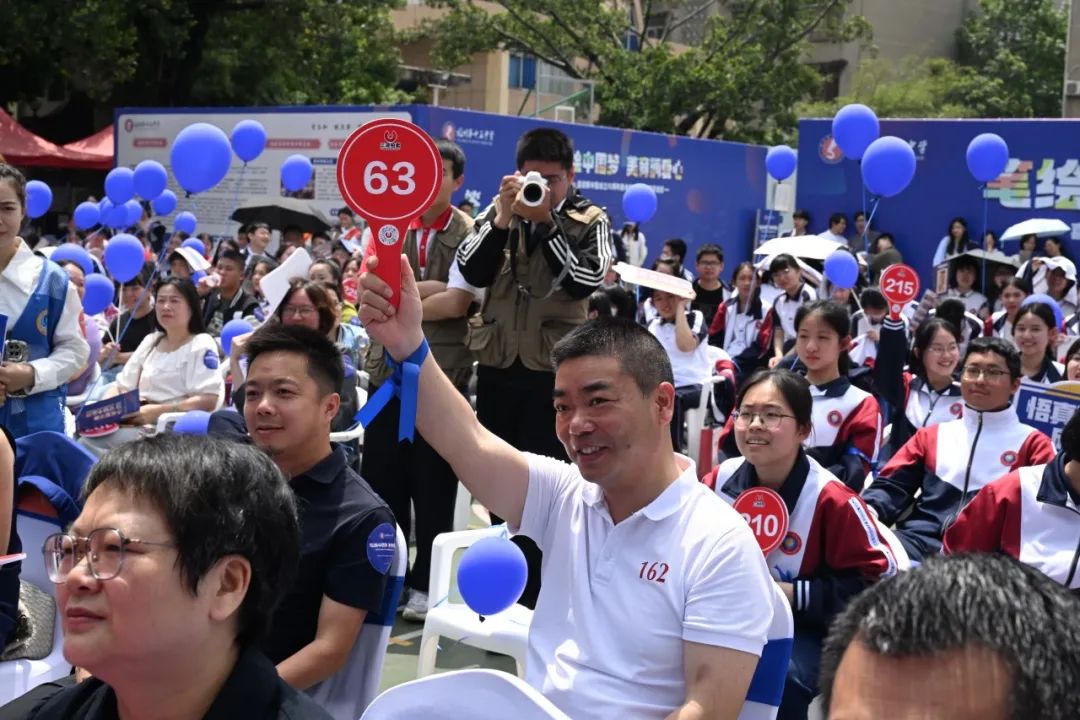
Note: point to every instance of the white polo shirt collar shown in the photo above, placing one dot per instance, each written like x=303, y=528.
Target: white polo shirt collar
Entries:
x=663, y=505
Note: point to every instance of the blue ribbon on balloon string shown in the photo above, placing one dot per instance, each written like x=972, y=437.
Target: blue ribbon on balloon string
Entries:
x=403, y=383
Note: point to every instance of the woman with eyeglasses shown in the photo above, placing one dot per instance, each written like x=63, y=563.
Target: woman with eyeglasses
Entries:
x=175, y=369
x=833, y=548
x=1035, y=332
x=924, y=394
x=166, y=583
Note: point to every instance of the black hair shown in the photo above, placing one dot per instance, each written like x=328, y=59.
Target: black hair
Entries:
x=781, y=261
x=18, y=181
x=836, y=218
x=316, y=293
x=793, y=386
x=338, y=246
x=72, y=263
x=952, y=247
x=1045, y=313
x=998, y=346
x=232, y=256
x=953, y=310
x=545, y=144
x=1070, y=435
x=187, y=290
x=600, y=302
x=965, y=262
x=872, y=298
x=1060, y=242
x=324, y=363
x=335, y=271
x=876, y=245
x=988, y=601
x=675, y=265
x=623, y=303
x=678, y=246
x=924, y=335
x=639, y=354
x=452, y=151
x=218, y=498
x=753, y=305
x=709, y=249
x=261, y=260
x=802, y=214
x=347, y=210
x=292, y=228
x=1021, y=284
x=858, y=214
x=1074, y=349
x=835, y=316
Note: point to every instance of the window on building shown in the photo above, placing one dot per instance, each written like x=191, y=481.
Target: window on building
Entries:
x=830, y=78
x=522, y=71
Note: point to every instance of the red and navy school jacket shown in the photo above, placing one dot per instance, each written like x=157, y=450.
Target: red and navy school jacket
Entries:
x=908, y=401
x=833, y=549
x=998, y=325
x=949, y=463
x=745, y=336
x=1050, y=372
x=1030, y=514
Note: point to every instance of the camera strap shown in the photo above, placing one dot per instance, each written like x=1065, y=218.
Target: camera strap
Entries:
x=516, y=231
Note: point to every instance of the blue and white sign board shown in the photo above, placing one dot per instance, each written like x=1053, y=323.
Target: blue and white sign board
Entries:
x=1048, y=407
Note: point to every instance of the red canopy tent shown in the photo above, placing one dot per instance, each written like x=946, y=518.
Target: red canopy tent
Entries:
x=100, y=145
x=19, y=146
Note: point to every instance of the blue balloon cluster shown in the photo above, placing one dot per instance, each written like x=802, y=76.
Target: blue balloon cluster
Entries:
x=842, y=269
x=248, y=140
x=186, y=222
x=200, y=157
x=86, y=215
x=780, y=161
x=888, y=166
x=639, y=203
x=492, y=575
x=120, y=185
x=296, y=172
x=233, y=329
x=987, y=156
x=164, y=203
x=124, y=257
x=150, y=179
x=854, y=127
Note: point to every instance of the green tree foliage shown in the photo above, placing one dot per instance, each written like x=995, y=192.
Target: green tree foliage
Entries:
x=739, y=79
x=178, y=52
x=1015, y=50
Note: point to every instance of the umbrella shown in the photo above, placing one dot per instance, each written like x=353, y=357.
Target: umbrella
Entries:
x=991, y=257
x=810, y=247
x=279, y=212
x=1039, y=227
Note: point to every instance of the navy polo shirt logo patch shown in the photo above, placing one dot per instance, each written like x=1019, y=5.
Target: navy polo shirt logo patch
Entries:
x=381, y=545
x=210, y=360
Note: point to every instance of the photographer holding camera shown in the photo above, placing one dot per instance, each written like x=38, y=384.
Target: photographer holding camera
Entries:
x=43, y=344
x=540, y=249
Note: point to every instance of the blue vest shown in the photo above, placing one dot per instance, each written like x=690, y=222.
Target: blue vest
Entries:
x=36, y=327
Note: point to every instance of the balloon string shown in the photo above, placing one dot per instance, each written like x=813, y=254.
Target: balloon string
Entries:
x=986, y=203
x=236, y=191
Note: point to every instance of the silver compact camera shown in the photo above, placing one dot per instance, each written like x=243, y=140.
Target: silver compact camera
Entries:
x=16, y=351
x=532, y=188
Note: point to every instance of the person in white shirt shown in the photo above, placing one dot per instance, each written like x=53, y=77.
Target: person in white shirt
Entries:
x=800, y=221
x=41, y=309
x=675, y=248
x=174, y=369
x=837, y=227
x=633, y=240
x=965, y=271
x=683, y=333
x=655, y=599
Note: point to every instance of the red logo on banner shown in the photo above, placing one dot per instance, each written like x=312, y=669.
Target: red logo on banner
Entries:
x=829, y=151
x=899, y=284
x=389, y=172
x=766, y=514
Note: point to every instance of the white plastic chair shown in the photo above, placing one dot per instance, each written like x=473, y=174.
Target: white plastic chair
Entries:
x=462, y=508
x=17, y=677
x=348, y=692
x=506, y=633
x=475, y=694
x=767, y=686
x=355, y=433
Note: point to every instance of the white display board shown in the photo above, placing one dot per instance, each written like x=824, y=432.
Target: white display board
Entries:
x=316, y=133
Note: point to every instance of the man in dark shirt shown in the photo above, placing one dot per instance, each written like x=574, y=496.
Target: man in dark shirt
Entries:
x=290, y=399
x=227, y=301
x=134, y=325
x=709, y=289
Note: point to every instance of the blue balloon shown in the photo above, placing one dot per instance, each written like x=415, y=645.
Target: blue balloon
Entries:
x=200, y=157
x=842, y=269
x=987, y=156
x=86, y=215
x=492, y=575
x=75, y=253
x=1059, y=316
x=97, y=294
x=248, y=139
x=888, y=166
x=164, y=203
x=124, y=257
x=854, y=127
x=186, y=222
x=120, y=185
x=117, y=217
x=193, y=422
x=780, y=161
x=150, y=179
x=639, y=203
x=233, y=329
x=197, y=276
x=296, y=172
x=38, y=198
x=134, y=212
x=196, y=244
x=104, y=206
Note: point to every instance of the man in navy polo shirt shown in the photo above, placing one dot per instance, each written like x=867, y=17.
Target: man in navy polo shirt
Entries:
x=290, y=398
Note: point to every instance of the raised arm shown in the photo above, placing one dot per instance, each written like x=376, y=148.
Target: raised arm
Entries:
x=492, y=470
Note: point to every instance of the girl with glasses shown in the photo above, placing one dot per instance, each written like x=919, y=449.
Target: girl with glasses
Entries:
x=833, y=548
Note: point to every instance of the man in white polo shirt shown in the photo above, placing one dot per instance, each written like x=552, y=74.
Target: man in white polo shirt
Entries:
x=655, y=599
